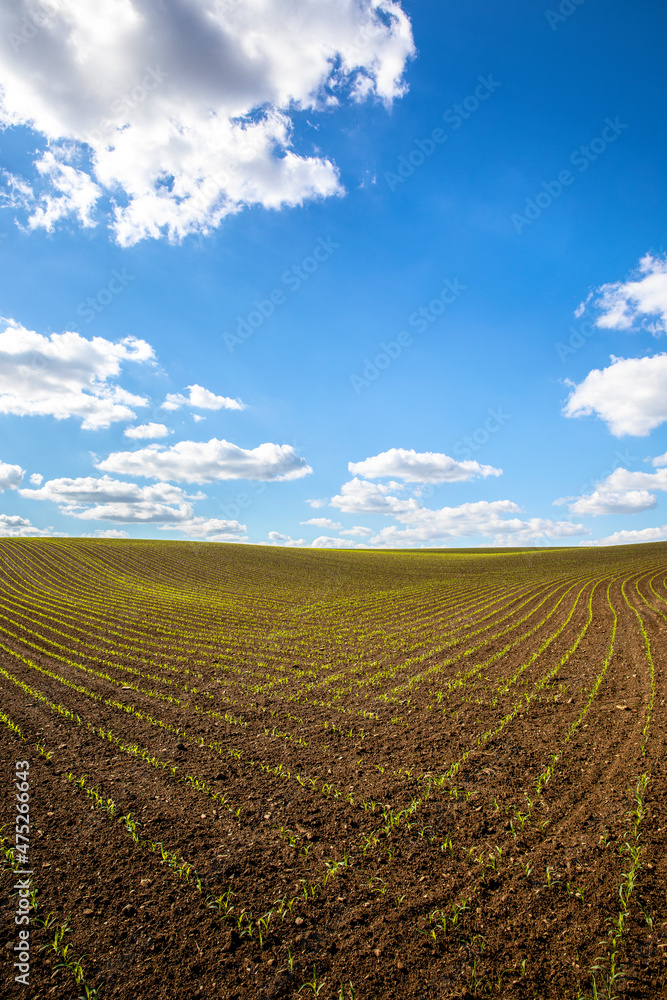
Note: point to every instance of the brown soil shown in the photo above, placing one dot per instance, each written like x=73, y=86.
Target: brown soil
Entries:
x=358, y=735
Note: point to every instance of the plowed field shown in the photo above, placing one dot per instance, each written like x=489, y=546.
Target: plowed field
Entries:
x=269, y=773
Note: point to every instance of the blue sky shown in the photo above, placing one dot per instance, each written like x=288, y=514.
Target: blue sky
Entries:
x=359, y=274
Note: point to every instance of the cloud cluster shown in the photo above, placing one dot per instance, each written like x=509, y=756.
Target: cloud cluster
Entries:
x=162, y=505
x=13, y=526
x=420, y=467
x=208, y=462
x=202, y=399
x=420, y=525
x=621, y=492
x=323, y=522
x=630, y=395
x=10, y=475
x=624, y=304
x=147, y=431
x=278, y=538
x=179, y=113
x=65, y=375
x=91, y=499
x=632, y=537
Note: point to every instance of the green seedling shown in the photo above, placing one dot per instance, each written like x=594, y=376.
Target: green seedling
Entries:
x=312, y=984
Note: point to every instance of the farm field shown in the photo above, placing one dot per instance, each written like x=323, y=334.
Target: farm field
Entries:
x=260, y=772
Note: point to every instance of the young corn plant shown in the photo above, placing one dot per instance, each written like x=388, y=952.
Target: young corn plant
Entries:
x=313, y=985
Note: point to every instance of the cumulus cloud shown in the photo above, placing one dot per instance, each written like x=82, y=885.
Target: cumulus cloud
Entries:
x=208, y=461
x=142, y=431
x=609, y=502
x=65, y=375
x=621, y=492
x=209, y=529
x=91, y=499
x=277, y=538
x=323, y=522
x=202, y=399
x=358, y=531
x=420, y=525
x=328, y=542
x=483, y=517
x=630, y=395
x=361, y=497
x=88, y=489
x=13, y=526
x=180, y=114
x=37, y=479
x=623, y=479
x=108, y=533
x=10, y=475
x=163, y=505
x=420, y=467
x=624, y=304
x=632, y=537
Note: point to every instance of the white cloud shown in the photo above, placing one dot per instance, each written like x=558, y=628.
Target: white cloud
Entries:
x=420, y=467
x=210, y=529
x=163, y=505
x=610, y=502
x=73, y=192
x=358, y=532
x=483, y=517
x=317, y=504
x=360, y=497
x=419, y=525
x=186, y=108
x=147, y=431
x=208, y=461
x=632, y=537
x=91, y=499
x=623, y=304
x=65, y=375
x=323, y=522
x=277, y=538
x=326, y=542
x=621, y=492
x=20, y=527
x=89, y=489
x=537, y=529
x=37, y=479
x=623, y=479
x=202, y=399
x=630, y=395
x=10, y=475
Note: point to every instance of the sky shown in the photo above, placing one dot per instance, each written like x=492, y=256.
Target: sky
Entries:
x=334, y=273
